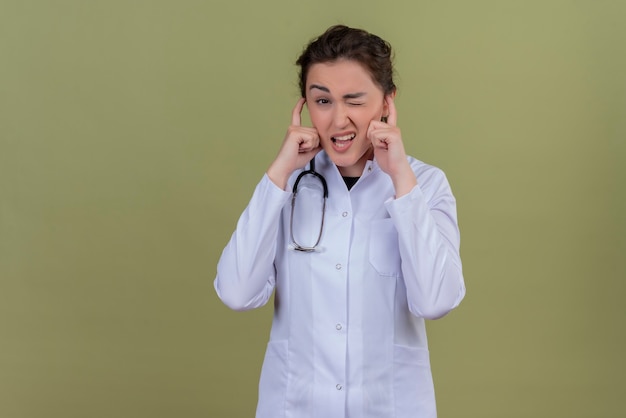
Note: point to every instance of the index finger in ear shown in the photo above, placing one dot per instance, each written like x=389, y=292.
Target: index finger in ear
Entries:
x=296, y=119
x=392, y=119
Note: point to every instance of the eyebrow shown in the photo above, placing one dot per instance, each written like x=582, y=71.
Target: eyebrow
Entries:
x=345, y=96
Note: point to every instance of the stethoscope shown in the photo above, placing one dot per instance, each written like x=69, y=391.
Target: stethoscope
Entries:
x=310, y=172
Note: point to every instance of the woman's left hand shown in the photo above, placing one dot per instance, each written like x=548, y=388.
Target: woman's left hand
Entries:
x=389, y=150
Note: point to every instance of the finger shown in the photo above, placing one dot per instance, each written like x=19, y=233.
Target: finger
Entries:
x=306, y=138
x=392, y=119
x=308, y=145
x=296, y=118
x=381, y=142
x=374, y=124
x=309, y=154
x=377, y=129
x=377, y=137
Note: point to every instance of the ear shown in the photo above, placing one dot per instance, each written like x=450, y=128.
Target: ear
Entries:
x=392, y=96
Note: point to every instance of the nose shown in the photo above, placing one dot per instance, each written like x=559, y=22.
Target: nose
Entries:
x=340, y=115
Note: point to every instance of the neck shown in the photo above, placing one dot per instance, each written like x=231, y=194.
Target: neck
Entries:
x=356, y=169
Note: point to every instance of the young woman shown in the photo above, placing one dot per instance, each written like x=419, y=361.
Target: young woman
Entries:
x=354, y=273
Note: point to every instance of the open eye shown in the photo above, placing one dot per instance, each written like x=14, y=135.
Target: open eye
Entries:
x=322, y=101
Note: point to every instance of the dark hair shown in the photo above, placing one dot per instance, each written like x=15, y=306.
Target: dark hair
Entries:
x=343, y=42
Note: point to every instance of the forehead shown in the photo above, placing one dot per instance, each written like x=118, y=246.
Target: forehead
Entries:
x=341, y=76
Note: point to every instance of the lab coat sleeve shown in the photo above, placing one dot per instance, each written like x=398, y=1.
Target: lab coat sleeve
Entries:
x=245, y=272
x=429, y=241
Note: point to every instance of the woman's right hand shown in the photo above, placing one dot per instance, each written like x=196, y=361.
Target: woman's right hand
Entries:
x=301, y=144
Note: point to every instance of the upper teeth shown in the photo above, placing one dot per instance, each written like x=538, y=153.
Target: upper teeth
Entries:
x=344, y=138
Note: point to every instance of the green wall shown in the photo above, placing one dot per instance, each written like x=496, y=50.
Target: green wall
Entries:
x=132, y=134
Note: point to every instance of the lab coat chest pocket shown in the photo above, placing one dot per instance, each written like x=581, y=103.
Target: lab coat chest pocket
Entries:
x=384, y=251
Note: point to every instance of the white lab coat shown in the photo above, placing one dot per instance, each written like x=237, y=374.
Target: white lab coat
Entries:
x=348, y=336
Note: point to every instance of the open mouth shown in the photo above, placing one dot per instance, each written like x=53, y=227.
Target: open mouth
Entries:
x=342, y=141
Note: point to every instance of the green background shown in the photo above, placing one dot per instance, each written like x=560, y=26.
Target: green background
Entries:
x=132, y=134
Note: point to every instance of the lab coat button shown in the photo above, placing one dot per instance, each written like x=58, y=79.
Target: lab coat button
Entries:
x=344, y=214
x=338, y=266
x=339, y=387
x=338, y=327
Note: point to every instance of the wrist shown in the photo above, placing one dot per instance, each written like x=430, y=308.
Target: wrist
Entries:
x=404, y=181
x=277, y=176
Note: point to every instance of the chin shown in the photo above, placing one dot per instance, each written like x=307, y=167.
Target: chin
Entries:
x=348, y=167
x=342, y=160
